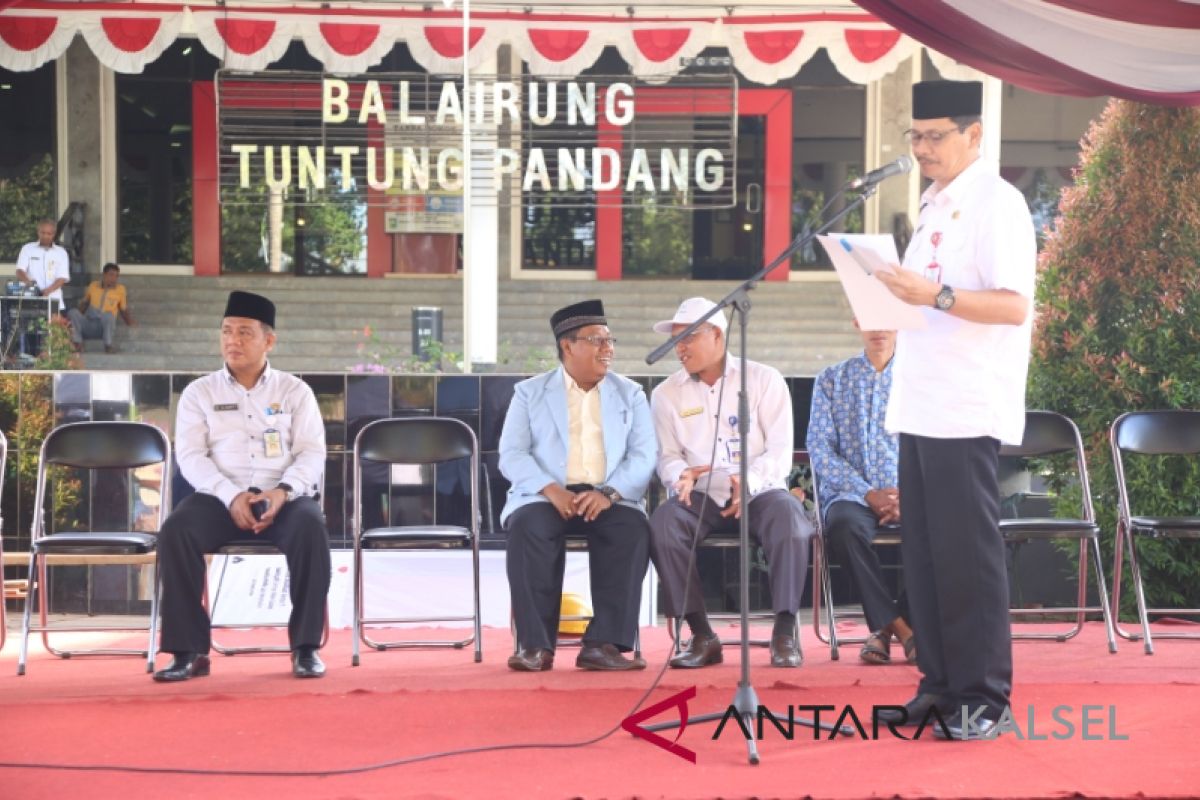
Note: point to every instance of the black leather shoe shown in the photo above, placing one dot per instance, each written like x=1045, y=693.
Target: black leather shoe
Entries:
x=184, y=666
x=785, y=651
x=306, y=663
x=957, y=729
x=606, y=658
x=701, y=651
x=532, y=660
x=914, y=710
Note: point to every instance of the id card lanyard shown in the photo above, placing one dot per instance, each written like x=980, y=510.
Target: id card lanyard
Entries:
x=272, y=439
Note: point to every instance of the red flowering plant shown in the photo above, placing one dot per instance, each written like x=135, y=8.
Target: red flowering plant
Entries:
x=1118, y=321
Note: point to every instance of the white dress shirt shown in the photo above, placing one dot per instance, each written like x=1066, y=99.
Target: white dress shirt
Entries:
x=957, y=379
x=45, y=265
x=687, y=419
x=219, y=434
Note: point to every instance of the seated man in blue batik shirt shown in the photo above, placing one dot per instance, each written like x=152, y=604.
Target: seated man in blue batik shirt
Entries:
x=855, y=462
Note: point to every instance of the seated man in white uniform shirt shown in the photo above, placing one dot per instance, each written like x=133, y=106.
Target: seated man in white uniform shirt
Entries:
x=251, y=441
x=687, y=419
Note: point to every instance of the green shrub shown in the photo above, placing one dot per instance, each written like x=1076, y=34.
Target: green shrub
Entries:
x=1119, y=313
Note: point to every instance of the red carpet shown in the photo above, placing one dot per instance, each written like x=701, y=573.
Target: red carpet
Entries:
x=250, y=714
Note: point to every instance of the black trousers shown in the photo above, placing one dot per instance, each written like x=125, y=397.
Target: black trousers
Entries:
x=202, y=524
x=954, y=569
x=850, y=528
x=618, y=551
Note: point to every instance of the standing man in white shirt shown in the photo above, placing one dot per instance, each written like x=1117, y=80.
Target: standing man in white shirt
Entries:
x=251, y=441
x=44, y=264
x=958, y=392
x=692, y=412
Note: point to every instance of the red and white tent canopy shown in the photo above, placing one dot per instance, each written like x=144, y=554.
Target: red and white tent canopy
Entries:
x=348, y=39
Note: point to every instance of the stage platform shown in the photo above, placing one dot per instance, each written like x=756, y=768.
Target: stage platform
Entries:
x=251, y=715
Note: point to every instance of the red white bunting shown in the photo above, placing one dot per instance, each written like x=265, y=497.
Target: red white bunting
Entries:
x=244, y=40
x=659, y=50
x=766, y=50
x=769, y=53
x=127, y=42
x=438, y=47
x=349, y=46
x=28, y=41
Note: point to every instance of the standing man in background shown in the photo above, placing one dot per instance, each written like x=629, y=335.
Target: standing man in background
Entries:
x=44, y=264
x=959, y=391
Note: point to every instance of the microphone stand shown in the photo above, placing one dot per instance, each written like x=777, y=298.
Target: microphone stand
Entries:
x=745, y=699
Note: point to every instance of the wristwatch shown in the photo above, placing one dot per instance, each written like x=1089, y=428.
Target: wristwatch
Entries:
x=945, y=299
x=287, y=488
x=612, y=494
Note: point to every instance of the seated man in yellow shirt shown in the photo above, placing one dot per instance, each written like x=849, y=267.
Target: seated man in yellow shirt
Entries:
x=97, y=312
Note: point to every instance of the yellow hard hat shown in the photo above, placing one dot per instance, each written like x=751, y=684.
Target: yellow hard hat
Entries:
x=570, y=611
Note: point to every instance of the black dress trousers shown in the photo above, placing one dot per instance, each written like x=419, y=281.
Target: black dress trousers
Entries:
x=850, y=529
x=618, y=543
x=202, y=524
x=955, y=570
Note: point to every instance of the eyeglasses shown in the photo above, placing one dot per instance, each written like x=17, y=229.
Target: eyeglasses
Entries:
x=933, y=137
x=691, y=337
x=596, y=341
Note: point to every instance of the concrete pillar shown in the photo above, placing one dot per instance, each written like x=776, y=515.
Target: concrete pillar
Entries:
x=889, y=115
x=481, y=245
x=90, y=173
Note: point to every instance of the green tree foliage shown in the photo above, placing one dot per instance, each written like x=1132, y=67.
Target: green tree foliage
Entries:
x=24, y=199
x=1119, y=317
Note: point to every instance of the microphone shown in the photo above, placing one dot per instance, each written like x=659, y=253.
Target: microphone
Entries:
x=900, y=166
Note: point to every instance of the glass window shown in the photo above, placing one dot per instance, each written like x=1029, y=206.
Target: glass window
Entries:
x=27, y=169
x=829, y=124
x=1039, y=146
x=265, y=230
x=154, y=156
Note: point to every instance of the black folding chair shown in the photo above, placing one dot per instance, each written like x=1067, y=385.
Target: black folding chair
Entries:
x=1048, y=434
x=1168, y=432
x=249, y=546
x=424, y=442
x=93, y=445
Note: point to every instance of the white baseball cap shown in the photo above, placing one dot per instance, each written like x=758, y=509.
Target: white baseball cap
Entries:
x=689, y=311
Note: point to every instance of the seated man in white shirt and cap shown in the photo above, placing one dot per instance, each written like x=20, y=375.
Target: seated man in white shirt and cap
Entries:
x=251, y=441
x=691, y=409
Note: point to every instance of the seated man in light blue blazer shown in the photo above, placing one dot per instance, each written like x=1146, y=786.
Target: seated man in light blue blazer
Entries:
x=578, y=447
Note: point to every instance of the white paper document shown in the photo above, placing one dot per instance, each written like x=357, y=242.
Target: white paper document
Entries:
x=856, y=257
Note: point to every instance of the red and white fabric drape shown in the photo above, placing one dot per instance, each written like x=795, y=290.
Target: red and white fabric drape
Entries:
x=1145, y=50
x=766, y=49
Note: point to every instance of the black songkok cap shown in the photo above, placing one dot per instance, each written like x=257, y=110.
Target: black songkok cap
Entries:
x=250, y=306
x=579, y=315
x=939, y=99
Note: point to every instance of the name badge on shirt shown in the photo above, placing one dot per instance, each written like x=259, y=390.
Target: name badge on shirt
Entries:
x=225, y=407
x=272, y=443
x=691, y=412
x=733, y=447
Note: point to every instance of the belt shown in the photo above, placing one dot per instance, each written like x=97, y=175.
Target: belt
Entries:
x=580, y=487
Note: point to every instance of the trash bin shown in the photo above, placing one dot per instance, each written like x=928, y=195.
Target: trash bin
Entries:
x=426, y=328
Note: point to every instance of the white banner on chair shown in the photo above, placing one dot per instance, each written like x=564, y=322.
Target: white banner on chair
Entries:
x=254, y=589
